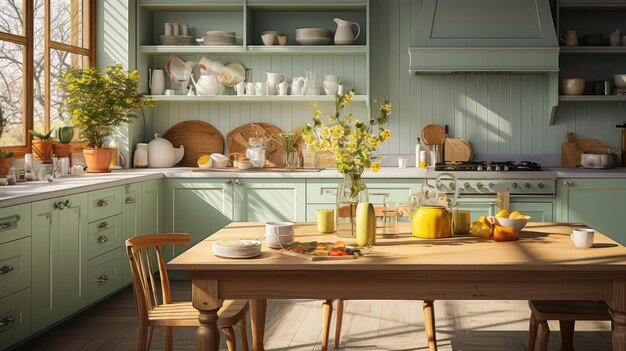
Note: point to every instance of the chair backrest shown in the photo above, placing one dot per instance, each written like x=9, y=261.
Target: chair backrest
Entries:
x=142, y=269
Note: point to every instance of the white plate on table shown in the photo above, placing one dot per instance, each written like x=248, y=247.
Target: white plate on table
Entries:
x=248, y=249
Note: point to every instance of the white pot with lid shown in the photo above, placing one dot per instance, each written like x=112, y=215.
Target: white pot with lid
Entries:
x=162, y=154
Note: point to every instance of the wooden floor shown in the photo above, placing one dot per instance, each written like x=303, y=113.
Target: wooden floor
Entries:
x=296, y=325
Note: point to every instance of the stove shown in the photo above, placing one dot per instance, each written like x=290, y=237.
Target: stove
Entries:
x=485, y=166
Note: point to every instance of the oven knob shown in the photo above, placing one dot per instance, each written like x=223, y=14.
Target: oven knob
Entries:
x=540, y=185
x=479, y=186
x=506, y=168
x=515, y=185
x=479, y=168
x=527, y=186
x=489, y=168
x=497, y=168
x=452, y=186
x=467, y=186
x=490, y=186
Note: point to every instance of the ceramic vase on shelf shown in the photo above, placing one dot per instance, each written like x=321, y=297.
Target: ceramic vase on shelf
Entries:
x=98, y=159
x=351, y=191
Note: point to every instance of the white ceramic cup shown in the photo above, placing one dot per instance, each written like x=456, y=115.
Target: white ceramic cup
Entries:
x=261, y=88
x=278, y=233
x=582, y=238
x=250, y=89
x=282, y=88
x=402, y=163
x=240, y=88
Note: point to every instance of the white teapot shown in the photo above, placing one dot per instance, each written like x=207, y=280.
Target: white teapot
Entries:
x=162, y=154
x=208, y=85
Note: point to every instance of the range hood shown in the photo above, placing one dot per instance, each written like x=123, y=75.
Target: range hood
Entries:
x=509, y=36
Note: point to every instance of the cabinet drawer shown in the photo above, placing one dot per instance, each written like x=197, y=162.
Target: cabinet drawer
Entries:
x=104, y=235
x=105, y=203
x=15, y=266
x=321, y=191
x=14, y=222
x=15, y=318
x=104, y=275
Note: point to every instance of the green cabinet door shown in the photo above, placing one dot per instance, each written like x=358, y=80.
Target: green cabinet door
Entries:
x=538, y=211
x=478, y=206
x=262, y=200
x=199, y=207
x=598, y=203
x=151, y=202
x=131, y=223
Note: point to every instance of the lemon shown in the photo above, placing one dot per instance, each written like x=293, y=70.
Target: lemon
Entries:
x=515, y=214
x=204, y=161
x=503, y=214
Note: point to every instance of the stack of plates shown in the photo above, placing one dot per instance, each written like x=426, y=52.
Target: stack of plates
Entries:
x=219, y=38
x=314, y=36
x=236, y=248
x=176, y=40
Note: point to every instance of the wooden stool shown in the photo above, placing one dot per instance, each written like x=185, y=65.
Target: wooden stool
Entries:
x=567, y=313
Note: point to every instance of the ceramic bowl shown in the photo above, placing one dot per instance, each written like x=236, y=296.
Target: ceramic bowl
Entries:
x=278, y=233
x=282, y=40
x=573, y=86
x=517, y=223
x=269, y=38
x=620, y=80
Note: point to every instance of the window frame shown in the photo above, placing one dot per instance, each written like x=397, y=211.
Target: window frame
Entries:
x=87, y=50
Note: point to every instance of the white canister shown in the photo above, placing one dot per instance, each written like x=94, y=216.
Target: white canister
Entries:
x=157, y=81
x=140, y=157
x=64, y=166
x=28, y=163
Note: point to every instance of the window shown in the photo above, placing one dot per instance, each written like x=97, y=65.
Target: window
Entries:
x=38, y=40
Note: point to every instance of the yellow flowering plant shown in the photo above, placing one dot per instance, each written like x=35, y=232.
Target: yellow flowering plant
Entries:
x=352, y=141
x=100, y=102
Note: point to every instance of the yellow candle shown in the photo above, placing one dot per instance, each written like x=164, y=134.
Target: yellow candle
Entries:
x=326, y=221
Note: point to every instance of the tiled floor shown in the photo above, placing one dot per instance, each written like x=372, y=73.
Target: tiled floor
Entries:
x=368, y=325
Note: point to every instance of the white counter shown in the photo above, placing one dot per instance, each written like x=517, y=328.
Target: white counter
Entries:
x=613, y=173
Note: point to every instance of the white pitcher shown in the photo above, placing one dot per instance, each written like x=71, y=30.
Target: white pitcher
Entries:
x=208, y=85
x=344, y=34
x=273, y=79
x=157, y=81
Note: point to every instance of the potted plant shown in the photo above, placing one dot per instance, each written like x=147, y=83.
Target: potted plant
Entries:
x=64, y=135
x=42, y=147
x=98, y=103
x=6, y=157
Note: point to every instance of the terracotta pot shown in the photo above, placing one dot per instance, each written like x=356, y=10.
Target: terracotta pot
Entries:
x=62, y=150
x=43, y=150
x=98, y=160
x=5, y=165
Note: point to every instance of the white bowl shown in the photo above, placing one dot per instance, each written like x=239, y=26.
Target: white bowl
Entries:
x=278, y=234
x=620, y=80
x=517, y=223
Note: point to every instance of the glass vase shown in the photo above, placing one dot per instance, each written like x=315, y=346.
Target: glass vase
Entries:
x=350, y=192
x=291, y=159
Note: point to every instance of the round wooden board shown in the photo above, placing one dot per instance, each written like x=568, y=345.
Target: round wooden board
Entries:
x=237, y=140
x=433, y=134
x=199, y=138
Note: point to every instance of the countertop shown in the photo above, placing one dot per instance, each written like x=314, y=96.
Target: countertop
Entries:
x=41, y=190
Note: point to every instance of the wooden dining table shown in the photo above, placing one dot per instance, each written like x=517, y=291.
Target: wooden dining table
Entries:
x=542, y=265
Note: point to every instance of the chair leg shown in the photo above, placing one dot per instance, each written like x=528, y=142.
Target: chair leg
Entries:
x=567, y=335
x=145, y=336
x=532, y=332
x=229, y=332
x=429, y=325
x=544, y=335
x=338, y=322
x=169, y=341
x=244, y=333
x=328, y=314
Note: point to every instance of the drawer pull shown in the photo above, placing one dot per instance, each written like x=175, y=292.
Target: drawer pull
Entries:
x=102, y=203
x=9, y=222
x=102, y=279
x=7, y=320
x=59, y=205
x=104, y=225
x=102, y=239
x=130, y=200
x=6, y=269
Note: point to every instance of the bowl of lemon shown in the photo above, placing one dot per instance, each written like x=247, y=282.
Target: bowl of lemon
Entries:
x=513, y=219
x=205, y=161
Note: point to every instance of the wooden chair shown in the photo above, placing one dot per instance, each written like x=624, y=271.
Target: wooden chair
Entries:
x=567, y=313
x=159, y=311
x=429, y=323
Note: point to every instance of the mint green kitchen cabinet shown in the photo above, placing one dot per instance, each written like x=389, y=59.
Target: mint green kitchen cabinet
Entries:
x=131, y=223
x=266, y=200
x=478, y=206
x=539, y=211
x=598, y=203
x=151, y=206
x=60, y=252
x=15, y=314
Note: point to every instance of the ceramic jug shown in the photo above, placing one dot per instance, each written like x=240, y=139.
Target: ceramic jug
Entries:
x=297, y=86
x=273, y=79
x=161, y=153
x=157, y=81
x=344, y=34
x=208, y=85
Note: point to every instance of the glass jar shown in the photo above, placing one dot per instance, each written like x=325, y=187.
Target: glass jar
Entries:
x=350, y=192
x=291, y=159
x=255, y=151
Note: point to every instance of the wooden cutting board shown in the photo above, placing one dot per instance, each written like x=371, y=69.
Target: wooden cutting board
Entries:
x=237, y=141
x=572, y=149
x=457, y=150
x=433, y=134
x=199, y=138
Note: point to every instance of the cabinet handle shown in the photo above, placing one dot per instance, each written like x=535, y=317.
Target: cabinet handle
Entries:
x=9, y=222
x=59, y=205
x=102, y=279
x=238, y=182
x=102, y=239
x=6, y=269
x=102, y=203
x=104, y=225
x=229, y=181
x=68, y=203
x=7, y=320
x=130, y=200
x=568, y=183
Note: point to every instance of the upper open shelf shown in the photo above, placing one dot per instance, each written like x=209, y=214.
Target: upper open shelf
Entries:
x=192, y=5
x=255, y=49
x=593, y=50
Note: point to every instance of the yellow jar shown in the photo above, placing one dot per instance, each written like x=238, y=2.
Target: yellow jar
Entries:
x=431, y=223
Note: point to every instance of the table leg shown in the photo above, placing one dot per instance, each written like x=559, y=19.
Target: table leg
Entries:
x=205, y=299
x=258, y=310
x=618, y=312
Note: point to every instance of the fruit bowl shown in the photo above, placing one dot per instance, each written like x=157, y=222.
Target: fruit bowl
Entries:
x=517, y=223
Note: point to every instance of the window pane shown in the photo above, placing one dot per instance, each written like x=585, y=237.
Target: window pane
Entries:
x=59, y=61
x=11, y=16
x=11, y=86
x=66, y=21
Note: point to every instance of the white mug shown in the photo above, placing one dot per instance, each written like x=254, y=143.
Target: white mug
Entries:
x=282, y=88
x=261, y=88
x=582, y=238
x=240, y=88
x=250, y=88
